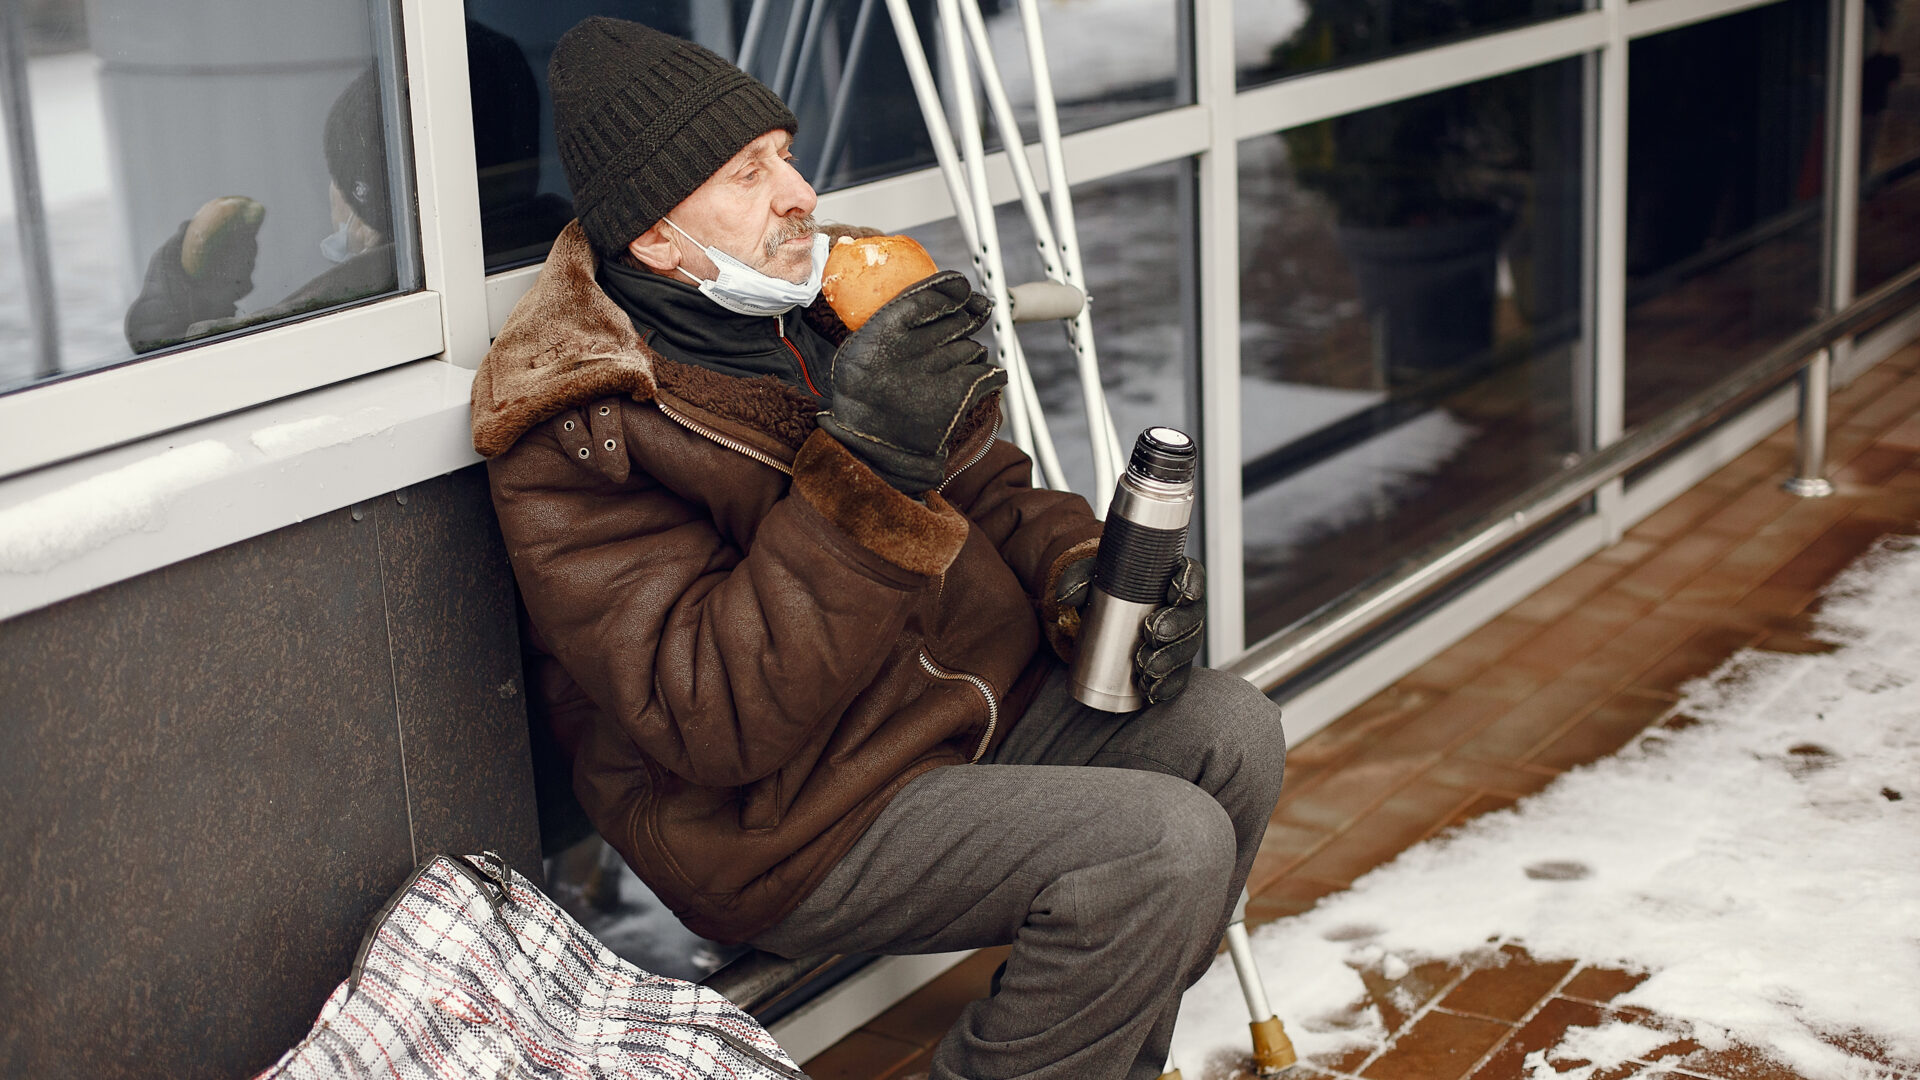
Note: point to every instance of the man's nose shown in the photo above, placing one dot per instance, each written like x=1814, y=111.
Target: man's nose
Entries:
x=793, y=195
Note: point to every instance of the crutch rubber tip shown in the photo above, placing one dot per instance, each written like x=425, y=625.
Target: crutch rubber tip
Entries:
x=1174, y=1075
x=1272, y=1050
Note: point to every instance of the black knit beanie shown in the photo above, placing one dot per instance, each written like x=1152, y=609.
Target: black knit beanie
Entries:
x=642, y=118
x=356, y=150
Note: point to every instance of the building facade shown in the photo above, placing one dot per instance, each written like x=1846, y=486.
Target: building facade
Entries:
x=1394, y=264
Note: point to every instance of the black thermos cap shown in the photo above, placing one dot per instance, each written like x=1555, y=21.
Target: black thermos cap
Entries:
x=1164, y=454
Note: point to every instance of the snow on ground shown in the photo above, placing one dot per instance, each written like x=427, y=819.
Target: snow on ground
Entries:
x=1763, y=864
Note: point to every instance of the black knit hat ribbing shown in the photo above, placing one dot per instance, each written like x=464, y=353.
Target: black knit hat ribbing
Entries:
x=642, y=118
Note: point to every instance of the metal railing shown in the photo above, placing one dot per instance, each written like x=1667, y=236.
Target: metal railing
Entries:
x=1280, y=657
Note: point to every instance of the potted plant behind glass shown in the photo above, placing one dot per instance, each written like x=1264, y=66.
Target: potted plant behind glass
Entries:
x=1422, y=189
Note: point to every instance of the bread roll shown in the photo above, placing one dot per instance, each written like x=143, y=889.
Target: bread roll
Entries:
x=864, y=273
x=220, y=222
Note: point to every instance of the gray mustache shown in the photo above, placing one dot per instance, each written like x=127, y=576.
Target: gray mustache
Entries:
x=792, y=230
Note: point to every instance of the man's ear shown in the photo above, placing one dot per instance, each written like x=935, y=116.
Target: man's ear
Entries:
x=655, y=250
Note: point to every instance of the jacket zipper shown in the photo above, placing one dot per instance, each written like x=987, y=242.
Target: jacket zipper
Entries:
x=980, y=684
x=780, y=321
x=732, y=444
x=940, y=588
x=977, y=455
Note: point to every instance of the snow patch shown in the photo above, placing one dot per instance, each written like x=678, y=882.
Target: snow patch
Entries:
x=1760, y=858
x=1394, y=968
x=1598, y=1048
x=62, y=525
x=298, y=436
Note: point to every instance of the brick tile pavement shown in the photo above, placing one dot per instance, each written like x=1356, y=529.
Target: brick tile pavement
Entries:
x=1565, y=677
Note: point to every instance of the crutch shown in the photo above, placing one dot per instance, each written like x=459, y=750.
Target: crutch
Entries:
x=1272, y=1050
x=1059, y=254
x=1062, y=294
x=1059, y=296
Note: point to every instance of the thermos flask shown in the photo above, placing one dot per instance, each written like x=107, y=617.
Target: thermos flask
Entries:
x=1146, y=533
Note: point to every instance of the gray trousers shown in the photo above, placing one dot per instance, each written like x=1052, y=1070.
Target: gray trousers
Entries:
x=1108, y=849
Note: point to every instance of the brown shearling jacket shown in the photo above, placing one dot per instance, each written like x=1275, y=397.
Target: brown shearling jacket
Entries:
x=755, y=642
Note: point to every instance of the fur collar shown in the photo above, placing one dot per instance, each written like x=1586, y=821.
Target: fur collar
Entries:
x=568, y=343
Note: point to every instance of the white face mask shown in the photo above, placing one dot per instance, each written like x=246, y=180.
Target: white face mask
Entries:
x=742, y=289
x=338, y=246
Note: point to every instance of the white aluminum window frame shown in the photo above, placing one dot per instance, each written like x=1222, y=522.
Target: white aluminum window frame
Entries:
x=1211, y=129
x=310, y=366
x=87, y=412
x=380, y=389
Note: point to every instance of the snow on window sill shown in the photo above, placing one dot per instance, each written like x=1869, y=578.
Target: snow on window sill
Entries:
x=80, y=525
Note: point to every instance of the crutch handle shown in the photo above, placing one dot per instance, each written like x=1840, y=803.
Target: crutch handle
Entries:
x=1039, y=301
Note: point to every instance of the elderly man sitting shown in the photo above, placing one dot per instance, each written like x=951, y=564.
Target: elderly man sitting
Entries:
x=803, y=618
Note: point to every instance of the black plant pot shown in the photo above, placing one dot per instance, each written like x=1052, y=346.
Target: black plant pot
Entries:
x=1428, y=291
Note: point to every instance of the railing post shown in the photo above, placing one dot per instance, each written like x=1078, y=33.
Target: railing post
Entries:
x=1845, y=38
x=1810, y=456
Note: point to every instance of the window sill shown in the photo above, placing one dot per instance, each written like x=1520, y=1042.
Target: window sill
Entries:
x=77, y=526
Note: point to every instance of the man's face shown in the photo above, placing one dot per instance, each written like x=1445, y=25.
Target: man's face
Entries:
x=757, y=208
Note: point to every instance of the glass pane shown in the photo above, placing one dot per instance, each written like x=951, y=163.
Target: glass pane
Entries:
x=1889, y=237
x=1276, y=38
x=202, y=167
x=1724, y=153
x=1137, y=244
x=1412, y=344
x=836, y=62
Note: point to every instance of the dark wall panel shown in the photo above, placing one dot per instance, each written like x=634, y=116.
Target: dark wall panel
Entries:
x=204, y=774
x=457, y=670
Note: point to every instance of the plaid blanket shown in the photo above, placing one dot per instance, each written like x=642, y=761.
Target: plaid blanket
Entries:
x=470, y=971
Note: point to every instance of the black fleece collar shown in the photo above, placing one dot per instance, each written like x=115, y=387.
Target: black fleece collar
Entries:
x=676, y=320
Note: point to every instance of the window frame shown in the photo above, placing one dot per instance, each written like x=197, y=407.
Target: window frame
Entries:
x=314, y=363
x=90, y=411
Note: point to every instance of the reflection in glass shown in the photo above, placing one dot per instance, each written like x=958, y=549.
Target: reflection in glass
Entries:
x=1889, y=235
x=202, y=167
x=1724, y=157
x=1136, y=240
x=838, y=64
x=1411, y=328
x=1277, y=38
x=592, y=883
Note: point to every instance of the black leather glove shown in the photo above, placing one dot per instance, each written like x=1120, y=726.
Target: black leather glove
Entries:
x=186, y=285
x=1169, y=640
x=903, y=381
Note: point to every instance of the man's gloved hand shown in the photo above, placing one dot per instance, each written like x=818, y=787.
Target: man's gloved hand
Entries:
x=1171, y=636
x=199, y=274
x=902, y=382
